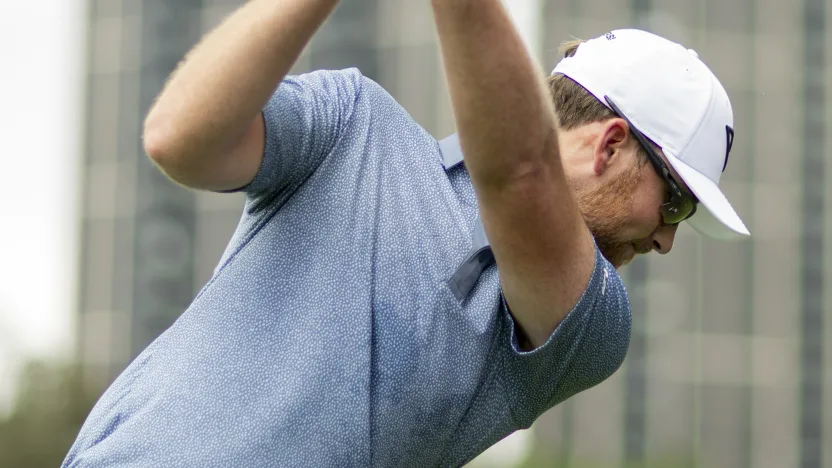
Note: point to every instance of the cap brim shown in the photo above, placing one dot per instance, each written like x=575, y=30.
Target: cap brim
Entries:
x=718, y=220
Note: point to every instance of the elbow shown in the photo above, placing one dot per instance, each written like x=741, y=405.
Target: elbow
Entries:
x=166, y=153
x=157, y=141
x=166, y=150
x=156, y=149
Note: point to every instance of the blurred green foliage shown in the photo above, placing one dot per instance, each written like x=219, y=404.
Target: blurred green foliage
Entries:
x=51, y=405
x=542, y=456
x=538, y=461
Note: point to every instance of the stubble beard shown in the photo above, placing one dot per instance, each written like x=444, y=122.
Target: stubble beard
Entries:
x=605, y=211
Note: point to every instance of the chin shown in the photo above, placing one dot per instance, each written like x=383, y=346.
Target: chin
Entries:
x=618, y=256
x=619, y=264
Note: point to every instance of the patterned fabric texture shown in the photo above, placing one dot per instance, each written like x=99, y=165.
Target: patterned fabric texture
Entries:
x=328, y=335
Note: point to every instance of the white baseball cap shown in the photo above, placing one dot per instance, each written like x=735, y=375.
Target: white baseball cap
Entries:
x=674, y=99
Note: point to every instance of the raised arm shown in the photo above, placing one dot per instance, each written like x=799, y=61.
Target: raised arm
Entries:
x=206, y=129
x=506, y=124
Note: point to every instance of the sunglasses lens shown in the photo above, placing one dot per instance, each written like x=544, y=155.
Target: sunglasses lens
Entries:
x=677, y=210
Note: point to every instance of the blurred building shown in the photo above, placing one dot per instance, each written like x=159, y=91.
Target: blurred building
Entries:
x=728, y=360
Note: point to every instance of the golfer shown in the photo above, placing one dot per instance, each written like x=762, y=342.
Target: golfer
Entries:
x=390, y=300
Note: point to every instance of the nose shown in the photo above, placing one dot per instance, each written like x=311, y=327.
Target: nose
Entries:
x=663, y=238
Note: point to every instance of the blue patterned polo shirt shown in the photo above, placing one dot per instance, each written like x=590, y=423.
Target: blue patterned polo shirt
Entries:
x=355, y=318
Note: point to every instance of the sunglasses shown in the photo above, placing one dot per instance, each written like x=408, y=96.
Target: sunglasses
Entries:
x=681, y=205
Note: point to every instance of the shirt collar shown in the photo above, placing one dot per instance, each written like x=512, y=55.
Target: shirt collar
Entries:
x=479, y=256
x=451, y=157
x=451, y=151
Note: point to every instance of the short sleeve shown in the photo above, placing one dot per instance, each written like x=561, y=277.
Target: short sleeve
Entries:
x=588, y=346
x=304, y=119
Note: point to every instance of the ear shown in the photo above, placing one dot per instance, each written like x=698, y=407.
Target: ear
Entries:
x=614, y=137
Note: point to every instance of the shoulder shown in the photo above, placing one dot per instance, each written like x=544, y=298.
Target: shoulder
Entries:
x=346, y=87
x=323, y=88
x=323, y=77
x=586, y=348
x=350, y=81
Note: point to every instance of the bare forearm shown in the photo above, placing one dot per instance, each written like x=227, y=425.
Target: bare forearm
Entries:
x=504, y=116
x=225, y=81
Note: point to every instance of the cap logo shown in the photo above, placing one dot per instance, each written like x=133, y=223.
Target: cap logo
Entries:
x=729, y=134
x=610, y=36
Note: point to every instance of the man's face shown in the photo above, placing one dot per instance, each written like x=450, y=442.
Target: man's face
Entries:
x=623, y=213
